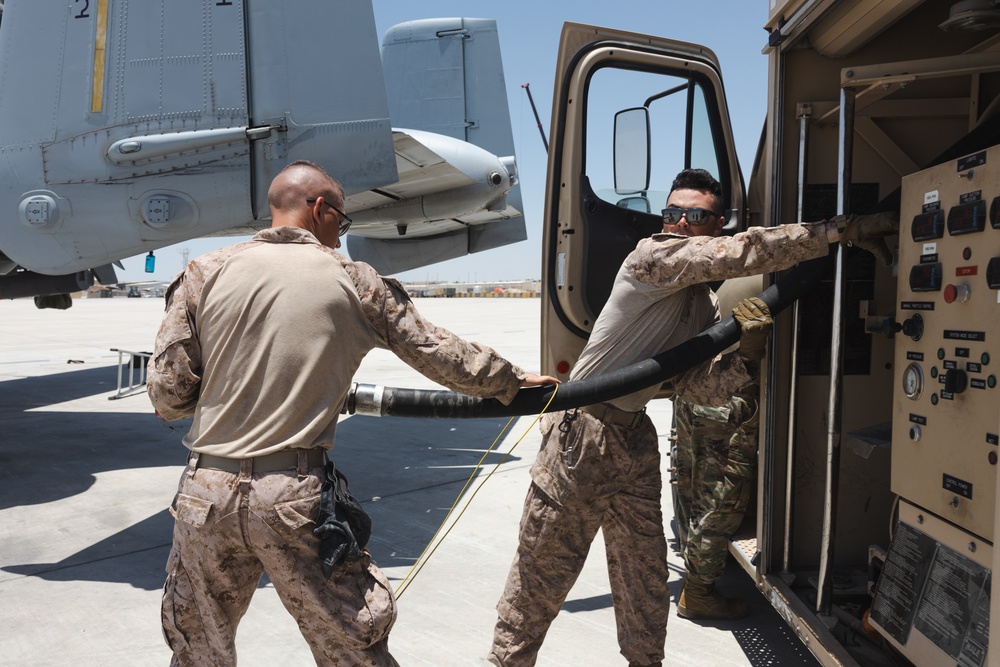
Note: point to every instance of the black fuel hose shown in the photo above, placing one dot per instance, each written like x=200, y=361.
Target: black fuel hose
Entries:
x=378, y=401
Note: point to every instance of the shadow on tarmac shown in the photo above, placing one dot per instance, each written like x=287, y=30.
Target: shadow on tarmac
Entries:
x=588, y=604
x=104, y=561
x=40, y=391
x=406, y=472
x=48, y=456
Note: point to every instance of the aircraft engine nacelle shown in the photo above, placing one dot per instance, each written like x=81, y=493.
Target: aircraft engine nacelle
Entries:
x=461, y=181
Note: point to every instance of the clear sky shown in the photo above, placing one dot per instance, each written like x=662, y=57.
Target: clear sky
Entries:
x=529, y=38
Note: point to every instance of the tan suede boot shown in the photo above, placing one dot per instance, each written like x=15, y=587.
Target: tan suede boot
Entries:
x=701, y=602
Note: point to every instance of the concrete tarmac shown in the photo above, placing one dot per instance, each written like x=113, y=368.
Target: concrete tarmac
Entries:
x=85, y=483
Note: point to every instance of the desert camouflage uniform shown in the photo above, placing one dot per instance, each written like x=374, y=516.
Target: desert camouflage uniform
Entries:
x=589, y=475
x=259, y=344
x=714, y=465
x=658, y=301
x=232, y=527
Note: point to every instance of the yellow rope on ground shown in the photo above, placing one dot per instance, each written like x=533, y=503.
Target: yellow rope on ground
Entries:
x=429, y=549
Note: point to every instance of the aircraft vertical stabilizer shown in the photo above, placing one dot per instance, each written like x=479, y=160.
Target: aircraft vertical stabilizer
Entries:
x=325, y=92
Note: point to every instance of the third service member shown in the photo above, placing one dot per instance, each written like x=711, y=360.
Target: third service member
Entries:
x=259, y=344
x=599, y=466
x=713, y=465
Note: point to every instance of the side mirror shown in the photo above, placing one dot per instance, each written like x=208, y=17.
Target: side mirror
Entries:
x=635, y=203
x=632, y=150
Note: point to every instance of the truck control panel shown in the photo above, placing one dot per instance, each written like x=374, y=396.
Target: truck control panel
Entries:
x=932, y=598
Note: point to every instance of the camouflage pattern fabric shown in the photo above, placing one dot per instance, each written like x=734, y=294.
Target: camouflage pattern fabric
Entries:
x=231, y=527
x=588, y=475
x=715, y=463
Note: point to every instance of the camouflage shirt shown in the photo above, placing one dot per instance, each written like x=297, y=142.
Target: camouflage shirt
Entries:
x=660, y=299
x=260, y=342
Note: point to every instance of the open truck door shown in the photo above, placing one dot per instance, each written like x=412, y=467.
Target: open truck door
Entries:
x=629, y=112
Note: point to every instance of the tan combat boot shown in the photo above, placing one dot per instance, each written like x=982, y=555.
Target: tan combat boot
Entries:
x=701, y=602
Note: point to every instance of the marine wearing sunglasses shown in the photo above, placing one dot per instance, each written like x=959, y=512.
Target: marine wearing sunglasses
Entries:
x=692, y=213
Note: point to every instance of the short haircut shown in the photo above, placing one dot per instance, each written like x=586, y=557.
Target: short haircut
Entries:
x=299, y=180
x=701, y=180
x=313, y=165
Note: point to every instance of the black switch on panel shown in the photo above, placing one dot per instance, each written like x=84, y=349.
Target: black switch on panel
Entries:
x=956, y=381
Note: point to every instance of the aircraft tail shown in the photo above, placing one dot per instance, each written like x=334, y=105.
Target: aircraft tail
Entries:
x=446, y=76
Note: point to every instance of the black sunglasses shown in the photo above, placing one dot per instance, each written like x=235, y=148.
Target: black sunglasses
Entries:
x=345, y=222
x=695, y=216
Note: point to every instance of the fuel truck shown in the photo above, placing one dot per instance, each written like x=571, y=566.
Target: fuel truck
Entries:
x=873, y=527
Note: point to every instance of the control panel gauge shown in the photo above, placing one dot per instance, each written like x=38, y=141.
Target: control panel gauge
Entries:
x=913, y=381
x=967, y=218
x=928, y=225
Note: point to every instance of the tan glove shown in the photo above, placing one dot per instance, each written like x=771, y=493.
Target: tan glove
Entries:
x=755, y=322
x=869, y=231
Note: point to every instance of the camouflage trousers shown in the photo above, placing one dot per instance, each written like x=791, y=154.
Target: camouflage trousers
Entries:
x=714, y=465
x=232, y=527
x=588, y=475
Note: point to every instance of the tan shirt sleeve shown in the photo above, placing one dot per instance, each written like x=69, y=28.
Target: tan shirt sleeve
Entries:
x=174, y=374
x=433, y=351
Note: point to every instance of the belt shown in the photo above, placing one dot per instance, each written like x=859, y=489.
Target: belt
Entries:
x=609, y=414
x=287, y=459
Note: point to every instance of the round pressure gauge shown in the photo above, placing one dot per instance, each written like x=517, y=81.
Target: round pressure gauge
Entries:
x=913, y=381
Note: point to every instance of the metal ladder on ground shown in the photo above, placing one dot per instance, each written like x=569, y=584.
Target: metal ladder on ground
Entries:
x=135, y=382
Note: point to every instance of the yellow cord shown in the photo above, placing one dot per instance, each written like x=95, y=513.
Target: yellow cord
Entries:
x=429, y=549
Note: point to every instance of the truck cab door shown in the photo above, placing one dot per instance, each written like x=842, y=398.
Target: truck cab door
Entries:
x=629, y=112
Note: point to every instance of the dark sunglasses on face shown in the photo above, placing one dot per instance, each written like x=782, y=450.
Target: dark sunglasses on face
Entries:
x=695, y=216
x=345, y=220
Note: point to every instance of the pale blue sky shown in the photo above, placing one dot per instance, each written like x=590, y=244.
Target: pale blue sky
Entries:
x=529, y=37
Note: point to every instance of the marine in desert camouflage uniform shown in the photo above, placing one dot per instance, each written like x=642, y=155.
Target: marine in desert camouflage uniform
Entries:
x=259, y=344
x=598, y=466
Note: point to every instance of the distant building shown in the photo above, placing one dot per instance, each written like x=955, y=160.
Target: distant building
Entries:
x=507, y=289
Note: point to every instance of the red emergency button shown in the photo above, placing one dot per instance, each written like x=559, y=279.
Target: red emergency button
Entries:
x=953, y=293
x=992, y=458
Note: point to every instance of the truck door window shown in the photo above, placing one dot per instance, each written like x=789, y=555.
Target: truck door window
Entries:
x=680, y=134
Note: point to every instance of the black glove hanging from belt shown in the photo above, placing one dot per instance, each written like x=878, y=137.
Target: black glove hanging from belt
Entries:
x=342, y=526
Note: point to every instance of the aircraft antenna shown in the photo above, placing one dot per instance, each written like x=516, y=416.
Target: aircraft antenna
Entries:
x=545, y=141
